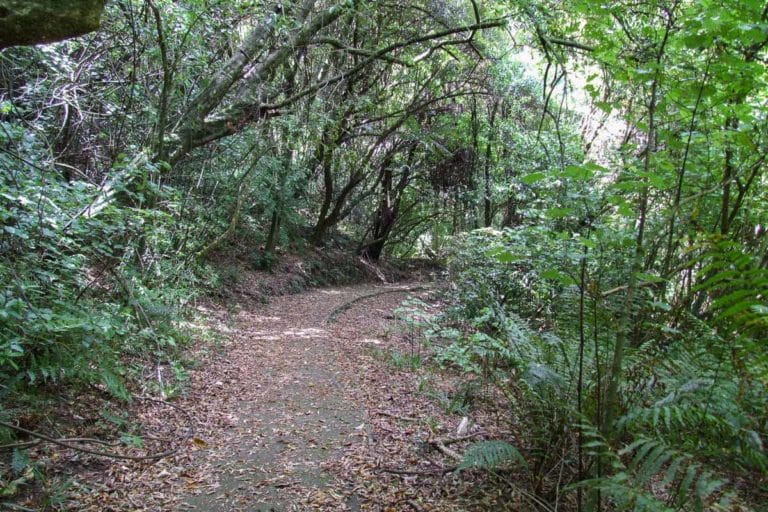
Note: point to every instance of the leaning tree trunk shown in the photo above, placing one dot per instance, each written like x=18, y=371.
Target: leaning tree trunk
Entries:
x=389, y=206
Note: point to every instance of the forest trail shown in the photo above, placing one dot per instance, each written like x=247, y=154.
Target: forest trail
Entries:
x=323, y=400
x=284, y=399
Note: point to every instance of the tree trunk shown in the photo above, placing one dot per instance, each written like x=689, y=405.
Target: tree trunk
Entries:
x=612, y=399
x=274, y=230
x=389, y=206
x=27, y=22
x=327, y=221
x=196, y=130
x=487, y=203
x=728, y=172
x=511, y=218
x=325, y=156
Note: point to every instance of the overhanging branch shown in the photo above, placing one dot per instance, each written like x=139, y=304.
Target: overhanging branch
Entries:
x=249, y=108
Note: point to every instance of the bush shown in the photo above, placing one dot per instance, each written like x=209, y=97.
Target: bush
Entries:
x=688, y=413
x=88, y=273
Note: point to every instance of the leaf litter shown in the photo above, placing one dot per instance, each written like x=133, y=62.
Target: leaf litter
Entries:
x=296, y=412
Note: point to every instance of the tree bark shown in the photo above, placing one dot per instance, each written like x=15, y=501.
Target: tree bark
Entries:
x=389, y=207
x=28, y=22
x=487, y=203
x=196, y=129
x=274, y=230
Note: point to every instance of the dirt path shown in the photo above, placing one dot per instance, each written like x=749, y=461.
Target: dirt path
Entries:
x=283, y=400
x=320, y=401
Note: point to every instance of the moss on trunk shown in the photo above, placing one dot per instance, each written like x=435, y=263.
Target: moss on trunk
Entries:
x=25, y=22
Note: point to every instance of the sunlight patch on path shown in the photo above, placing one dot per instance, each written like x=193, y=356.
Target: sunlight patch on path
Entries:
x=309, y=332
x=260, y=319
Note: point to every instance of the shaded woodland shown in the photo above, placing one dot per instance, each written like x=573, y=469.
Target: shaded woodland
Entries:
x=591, y=177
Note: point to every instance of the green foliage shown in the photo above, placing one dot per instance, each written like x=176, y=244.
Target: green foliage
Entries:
x=620, y=280
x=646, y=462
x=404, y=361
x=738, y=283
x=491, y=455
x=697, y=403
x=689, y=409
x=19, y=461
x=81, y=267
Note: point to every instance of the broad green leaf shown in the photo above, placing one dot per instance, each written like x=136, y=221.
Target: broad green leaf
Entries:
x=558, y=276
x=532, y=178
x=557, y=212
x=649, y=278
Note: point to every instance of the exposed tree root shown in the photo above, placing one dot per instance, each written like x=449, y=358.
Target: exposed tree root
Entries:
x=333, y=316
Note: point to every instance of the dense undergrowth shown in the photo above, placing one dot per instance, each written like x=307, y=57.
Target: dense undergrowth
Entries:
x=688, y=434
x=86, y=280
x=93, y=290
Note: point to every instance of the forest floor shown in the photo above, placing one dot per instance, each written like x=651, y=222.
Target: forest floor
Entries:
x=315, y=401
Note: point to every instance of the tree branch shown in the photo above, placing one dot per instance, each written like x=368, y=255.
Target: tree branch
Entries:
x=249, y=106
x=98, y=453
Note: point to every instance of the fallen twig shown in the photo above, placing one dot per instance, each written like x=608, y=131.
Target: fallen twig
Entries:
x=447, y=451
x=434, y=472
x=98, y=453
x=23, y=444
x=30, y=444
x=441, y=444
x=13, y=506
x=453, y=440
x=396, y=416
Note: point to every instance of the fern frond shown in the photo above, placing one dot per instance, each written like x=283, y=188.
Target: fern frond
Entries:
x=490, y=455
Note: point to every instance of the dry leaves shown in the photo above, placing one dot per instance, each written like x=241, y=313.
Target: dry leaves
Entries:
x=297, y=413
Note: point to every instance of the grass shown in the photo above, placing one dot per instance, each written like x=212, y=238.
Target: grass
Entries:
x=404, y=361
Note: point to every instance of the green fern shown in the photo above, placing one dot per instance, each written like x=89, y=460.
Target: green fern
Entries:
x=631, y=471
x=490, y=455
x=738, y=286
x=694, y=406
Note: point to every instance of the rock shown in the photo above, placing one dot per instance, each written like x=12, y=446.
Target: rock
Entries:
x=462, y=426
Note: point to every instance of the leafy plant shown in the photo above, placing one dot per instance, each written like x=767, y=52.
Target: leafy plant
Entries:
x=491, y=455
